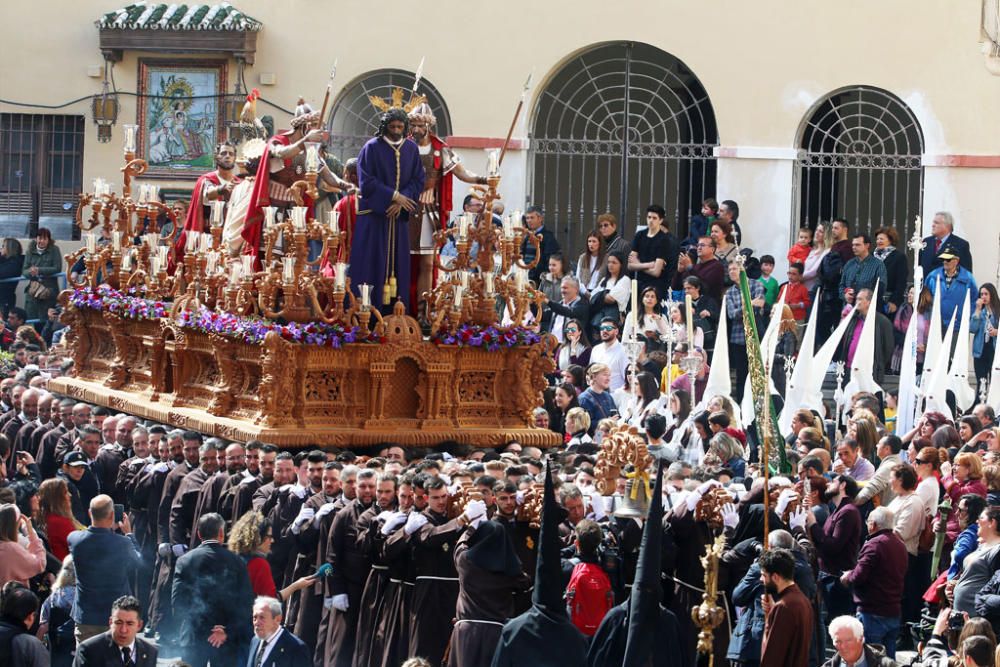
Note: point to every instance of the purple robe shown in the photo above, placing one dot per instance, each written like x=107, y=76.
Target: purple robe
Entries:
x=383, y=170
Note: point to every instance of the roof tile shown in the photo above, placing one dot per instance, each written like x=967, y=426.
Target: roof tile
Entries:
x=160, y=16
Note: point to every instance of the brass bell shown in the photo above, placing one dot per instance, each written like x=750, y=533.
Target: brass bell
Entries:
x=637, y=507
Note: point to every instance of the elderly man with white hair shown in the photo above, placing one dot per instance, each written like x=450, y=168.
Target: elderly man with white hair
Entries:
x=877, y=580
x=848, y=637
x=943, y=236
x=273, y=645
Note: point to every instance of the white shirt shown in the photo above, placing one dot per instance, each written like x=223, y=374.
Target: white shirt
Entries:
x=613, y=357
x=928, y=492
x=131, y=652
x=268, y=645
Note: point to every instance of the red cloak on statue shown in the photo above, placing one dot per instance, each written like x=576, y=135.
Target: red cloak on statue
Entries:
x=195, y=220
x=443, y=195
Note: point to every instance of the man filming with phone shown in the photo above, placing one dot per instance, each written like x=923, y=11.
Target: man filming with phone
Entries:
x=105, y=555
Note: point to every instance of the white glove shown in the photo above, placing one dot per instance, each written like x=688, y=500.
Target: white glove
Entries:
x=519, y=497
x=162, y=466
x=305, y=516
x=298, y=490
x=453, y=488
x=327, y=603
x=784, y=498
x=475, y=509
x=178, y=550
x=597, y=505
x=692, y=500
x=163, y=550
x=730, y=517
x=395, y=520
x=446, y=478
x=475, y=522
x=287, y=488
x=707, y=486
x=797, y=519
x=247, y=478
x=340, y=602
x=325, y=509
x=415, y=522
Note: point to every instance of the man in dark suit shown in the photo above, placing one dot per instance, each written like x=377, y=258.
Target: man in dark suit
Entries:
x=272, y=644
x=573, y=307
x=120, y=645
x=534, y=218
x=211, y=599
x=942, y=235
x=104, y=562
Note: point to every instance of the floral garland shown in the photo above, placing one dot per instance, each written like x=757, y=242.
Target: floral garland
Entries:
x=490, y=337
x=252, y=330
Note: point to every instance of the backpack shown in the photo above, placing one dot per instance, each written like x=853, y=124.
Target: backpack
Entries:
x=588, y=597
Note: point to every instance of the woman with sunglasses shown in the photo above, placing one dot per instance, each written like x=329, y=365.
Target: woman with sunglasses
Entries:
x=575, y=349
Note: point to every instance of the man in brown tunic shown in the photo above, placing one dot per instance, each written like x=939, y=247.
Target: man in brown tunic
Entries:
x=789, y=622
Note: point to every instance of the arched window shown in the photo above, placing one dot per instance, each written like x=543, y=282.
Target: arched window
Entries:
x=860, y=158
x=353, y=118
x=616, y=100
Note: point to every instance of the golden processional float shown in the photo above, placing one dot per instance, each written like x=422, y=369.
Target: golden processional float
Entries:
x=286, y=354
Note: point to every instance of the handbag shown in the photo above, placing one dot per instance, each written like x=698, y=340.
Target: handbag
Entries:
x=36, y=290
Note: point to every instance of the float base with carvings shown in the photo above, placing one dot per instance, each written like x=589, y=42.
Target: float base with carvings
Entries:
x=305, y=384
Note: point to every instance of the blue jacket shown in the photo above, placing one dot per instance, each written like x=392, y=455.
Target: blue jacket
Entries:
x=978, y=325
x=104, y=563
x=288, y=651
x=598, y=406
x=952, y=295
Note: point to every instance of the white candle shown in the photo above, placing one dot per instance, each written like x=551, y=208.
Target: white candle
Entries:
x=689, y=313
x=143, y=193
x=116, y=240
x=508, y=227
x=152, y=194
x=218, y=206
x=312, y=157
x=340, y=277
x=635, y=307
x=463, y=227
x=517, y=215
x=161, y=254
x=91, y=243
x=463, y=279
x=211, y=260
x=493, y=162
x=130, y=134
x=154, y=265
x=269, y=213
x=299, y=217
x=366, y=295
x=127, y=261
x=206, y=242
x=333, y=218
x=288, y=269
x=151, y=240
x=98, y=186
x=192, y=241
x=489, y=283
x=458, y=296
x=519, y=279
x=234, y=273
x=247, y=265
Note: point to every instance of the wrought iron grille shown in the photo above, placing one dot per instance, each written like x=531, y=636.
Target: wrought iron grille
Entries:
x=353, y=119
x=620, y=127
x=860, y=158
x=41, y=171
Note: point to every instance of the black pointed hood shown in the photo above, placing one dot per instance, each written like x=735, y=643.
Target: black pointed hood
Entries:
x=644, y=602
x=548, y=593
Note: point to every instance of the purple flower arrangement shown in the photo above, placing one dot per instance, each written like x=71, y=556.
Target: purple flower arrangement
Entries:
x=252, y=330
x=128, y=305
x=489, y=337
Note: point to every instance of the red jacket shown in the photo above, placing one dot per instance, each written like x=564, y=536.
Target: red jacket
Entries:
x=878, y=577
x=57, y=529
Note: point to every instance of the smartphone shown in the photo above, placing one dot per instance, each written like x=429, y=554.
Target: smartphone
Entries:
x=119, y=512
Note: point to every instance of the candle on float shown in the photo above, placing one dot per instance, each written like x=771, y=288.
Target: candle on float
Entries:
x=458, y=296
x=493, y=162
x=247, y=261
x=91, y=243
x=489, y=283
x=463, y=226
x=161, y=254
x=210, y=261
x=191, y=241
x=218, y=206
x=152, y=194
x=339, y=280
x=151, y=240
x=154, y=264
x=689, y=313
x=312, y=157
x=519, y=279
x=518, y=218
x=130, y=134
x=116, y=240
x=463, y=279
x=299, y=217
x=143, y=193
x=235, y=270
x=206, y=242
x=288, y=269
x=127, y=261
x=508, y=226
x=333, y=219
x=269, y=213
x=366, y=295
